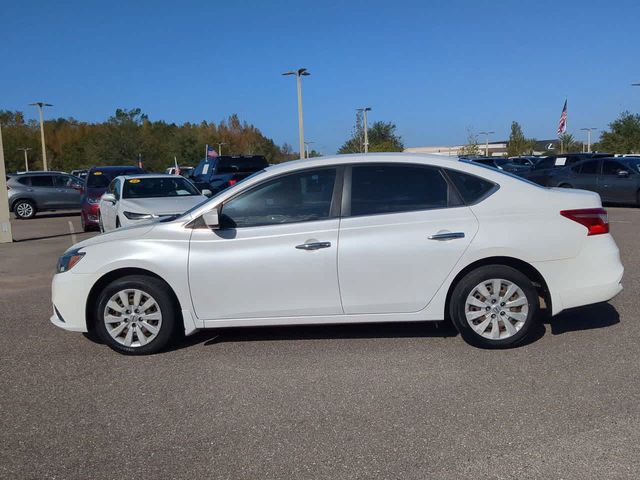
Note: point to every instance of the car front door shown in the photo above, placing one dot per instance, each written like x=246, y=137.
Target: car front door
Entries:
x=69, y=191
x=274, y=254
x=616, y=185
x=585, y=176
x=402, y=232
x=44, y=192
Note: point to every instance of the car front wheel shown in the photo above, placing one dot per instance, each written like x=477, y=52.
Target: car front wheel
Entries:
x=136, y=315
x=494, y=306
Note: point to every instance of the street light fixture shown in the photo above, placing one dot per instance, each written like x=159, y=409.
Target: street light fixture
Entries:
x=306, y=147
x=486, y=143
x=26, y=161
x=41, y=106
x=220, y=147
x=364, y=111
x=301, y=72
x=588, y=130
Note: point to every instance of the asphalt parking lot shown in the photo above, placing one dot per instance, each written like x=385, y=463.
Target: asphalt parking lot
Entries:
x=407, y=401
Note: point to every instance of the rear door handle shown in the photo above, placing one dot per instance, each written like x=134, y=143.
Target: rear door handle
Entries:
x=446, y=236
x=313, y=246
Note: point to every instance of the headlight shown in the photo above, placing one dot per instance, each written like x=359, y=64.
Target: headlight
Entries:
x=67, y=261
x=137, y=216
x=93, y=200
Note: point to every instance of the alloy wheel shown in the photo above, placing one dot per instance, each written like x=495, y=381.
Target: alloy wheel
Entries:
x=24, y=209
x=496, y=309
x=132, y=318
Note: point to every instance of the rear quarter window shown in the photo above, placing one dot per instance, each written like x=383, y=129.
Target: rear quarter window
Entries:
x=471, y=187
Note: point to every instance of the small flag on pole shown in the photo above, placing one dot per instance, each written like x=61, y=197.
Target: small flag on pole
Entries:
x=562, y=125
x=177, y=168
x=211, y=153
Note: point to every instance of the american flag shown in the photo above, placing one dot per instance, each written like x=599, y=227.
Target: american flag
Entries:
x=562, y=125
x=211, y=153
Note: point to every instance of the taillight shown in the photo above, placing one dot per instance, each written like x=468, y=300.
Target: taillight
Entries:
x=232, y=182
x=595, y=219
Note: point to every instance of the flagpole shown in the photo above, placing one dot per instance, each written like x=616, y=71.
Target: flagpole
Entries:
x=206, y=150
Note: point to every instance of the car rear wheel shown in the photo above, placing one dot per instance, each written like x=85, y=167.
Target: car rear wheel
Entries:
x=117, y=222
x=136, y=315
x=24, y=209
x=494, y=306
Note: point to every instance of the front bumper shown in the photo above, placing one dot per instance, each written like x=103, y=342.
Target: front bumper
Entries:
x=69, y=293
x=90, y=214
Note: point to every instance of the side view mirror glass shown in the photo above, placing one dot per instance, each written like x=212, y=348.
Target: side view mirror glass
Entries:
x=211, y=218
x=109, y=197
x=206, y=192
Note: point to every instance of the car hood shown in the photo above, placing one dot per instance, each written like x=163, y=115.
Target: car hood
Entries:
x=118, y=234
x=161, y=206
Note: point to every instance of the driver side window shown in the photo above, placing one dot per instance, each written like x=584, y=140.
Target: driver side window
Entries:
x=117, y=188
x=298, y=197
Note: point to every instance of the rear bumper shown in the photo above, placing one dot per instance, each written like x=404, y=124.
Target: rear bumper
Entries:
x=594, y=276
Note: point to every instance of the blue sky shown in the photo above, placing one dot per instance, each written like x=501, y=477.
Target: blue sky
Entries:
x=432, y=67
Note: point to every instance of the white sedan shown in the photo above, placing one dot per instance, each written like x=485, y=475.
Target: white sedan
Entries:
x=347, y=239
x=132, y=199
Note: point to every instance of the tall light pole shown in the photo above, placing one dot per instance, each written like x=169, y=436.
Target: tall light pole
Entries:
x=364, y=111
x=301, y=72
x=588, y=130
x=220, y=147
x=26, y=161
x=41, y=106
x=5, y=224
x=306, y=148
x=486, y=143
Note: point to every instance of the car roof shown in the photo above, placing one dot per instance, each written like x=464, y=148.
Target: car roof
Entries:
x=115, y=167
x=151, y=175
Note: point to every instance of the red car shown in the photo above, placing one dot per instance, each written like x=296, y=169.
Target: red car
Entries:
x=96, y=182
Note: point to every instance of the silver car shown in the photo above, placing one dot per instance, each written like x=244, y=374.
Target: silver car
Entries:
x=34, y=192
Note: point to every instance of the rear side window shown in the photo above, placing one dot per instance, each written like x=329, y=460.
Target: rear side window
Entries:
x=42, y=181
x=379, y=189
x=471, y=188
x=589, y=168
x=545, y=163
x=24, y=180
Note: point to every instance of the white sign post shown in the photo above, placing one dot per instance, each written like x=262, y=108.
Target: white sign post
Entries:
x=5, y=224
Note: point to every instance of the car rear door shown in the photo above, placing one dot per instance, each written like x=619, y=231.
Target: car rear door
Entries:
x=402, y=232
x=615, y=185
x=275, y=254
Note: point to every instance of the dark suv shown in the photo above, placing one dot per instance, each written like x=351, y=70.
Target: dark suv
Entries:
x=34, y=192
x=96, y=182
x=222, y=172
x=540, y=173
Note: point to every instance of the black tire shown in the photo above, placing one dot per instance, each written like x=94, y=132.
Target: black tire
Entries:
x=565, y=185
x=85, y=227
x=165, y=304
x=117, y=222
x=100, y=225
x=24, y=209
x=473, y=279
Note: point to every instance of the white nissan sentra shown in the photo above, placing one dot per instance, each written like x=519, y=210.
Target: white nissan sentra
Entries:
x=347, y=239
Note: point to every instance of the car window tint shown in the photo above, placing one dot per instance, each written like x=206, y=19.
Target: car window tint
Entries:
x=24, y=180
x=117, y=188
x=62, y=181
x=611, y=167
x=42, y=181
x=471, y=188
x=546, y=163
x=298, y=197
x=589, y=168
x=396, y=188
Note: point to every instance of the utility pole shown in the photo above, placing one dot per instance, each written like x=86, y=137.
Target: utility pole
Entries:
x=588, y=130
x=364, y=111
x=301, y=72
x=486, y=143
x=5, y=223
x=26, y=160
x=306, y=148
x=41, y=106
x=220, y=147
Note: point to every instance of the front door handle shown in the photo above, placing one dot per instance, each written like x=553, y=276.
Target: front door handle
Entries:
x=446, y=236
x=313, y=246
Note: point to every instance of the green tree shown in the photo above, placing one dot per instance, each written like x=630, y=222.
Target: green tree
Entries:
x=569, y=144
x=472, y=147
x=518, y=144
x=382, y=138
x=624, y=135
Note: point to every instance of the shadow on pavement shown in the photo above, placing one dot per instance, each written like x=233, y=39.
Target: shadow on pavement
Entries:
x=319, y=332
x=45, y=237
x=56, y=215
x=600, y=315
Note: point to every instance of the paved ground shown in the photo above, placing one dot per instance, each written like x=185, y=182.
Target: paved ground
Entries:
x=405, y=401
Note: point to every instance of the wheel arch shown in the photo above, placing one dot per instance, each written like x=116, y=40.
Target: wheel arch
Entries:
x=530, y=271
x=109, y=277
x=16, y=200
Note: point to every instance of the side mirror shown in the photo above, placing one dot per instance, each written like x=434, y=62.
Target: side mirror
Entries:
x=206, y=192
x=623, y=173
x=109, y=197
x=211, y=219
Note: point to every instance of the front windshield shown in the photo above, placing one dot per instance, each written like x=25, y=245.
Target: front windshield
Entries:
x=155, y=187
x=188, y=212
